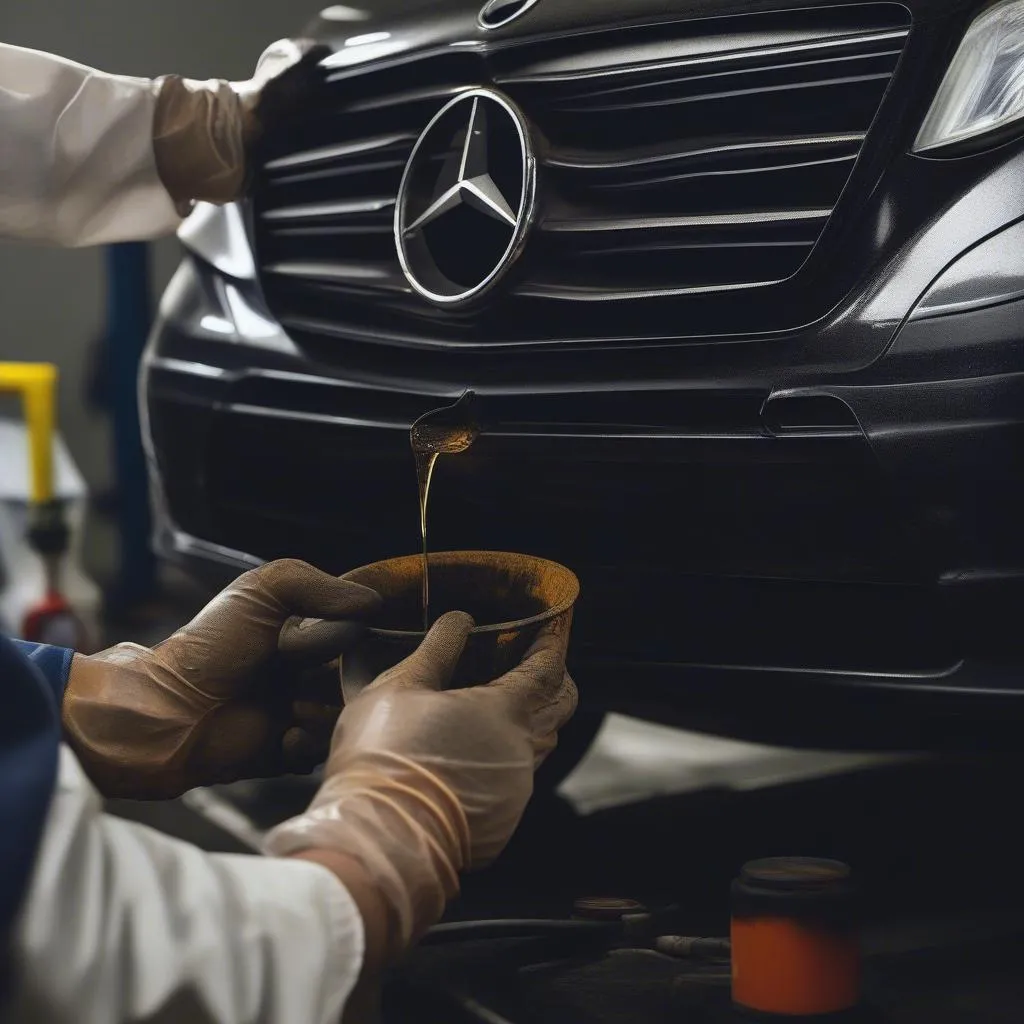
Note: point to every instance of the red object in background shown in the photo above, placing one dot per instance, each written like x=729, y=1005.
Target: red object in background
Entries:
x=787, y=968
x=795, y=950
x=52, y=621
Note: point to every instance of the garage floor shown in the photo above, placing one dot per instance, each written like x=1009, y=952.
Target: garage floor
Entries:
x=932, y=846
x=668, y=820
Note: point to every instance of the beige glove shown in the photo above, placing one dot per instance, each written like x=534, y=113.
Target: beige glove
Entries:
x=422, y=784
x=242, y=691
x=203, y=132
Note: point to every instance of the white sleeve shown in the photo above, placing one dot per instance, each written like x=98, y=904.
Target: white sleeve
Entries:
x=76, y=154
x=124, y=924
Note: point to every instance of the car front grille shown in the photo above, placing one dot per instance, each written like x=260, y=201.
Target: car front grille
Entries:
x=684, y=169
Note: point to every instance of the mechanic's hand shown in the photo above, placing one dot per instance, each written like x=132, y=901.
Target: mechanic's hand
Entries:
x=243, y=691
x=204, y=132
x=285, y=75
x=423, y=783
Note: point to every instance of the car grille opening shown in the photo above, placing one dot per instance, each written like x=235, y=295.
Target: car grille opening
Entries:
x=686, y=169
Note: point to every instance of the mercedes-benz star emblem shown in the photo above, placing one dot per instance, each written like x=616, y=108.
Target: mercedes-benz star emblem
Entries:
x=466, y=198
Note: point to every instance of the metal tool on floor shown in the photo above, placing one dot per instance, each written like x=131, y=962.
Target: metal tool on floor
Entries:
x=51, y=618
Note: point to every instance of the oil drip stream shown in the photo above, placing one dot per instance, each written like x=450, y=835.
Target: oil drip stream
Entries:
x=448, y=431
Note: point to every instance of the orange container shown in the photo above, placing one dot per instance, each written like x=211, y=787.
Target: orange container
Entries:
x=794, y=948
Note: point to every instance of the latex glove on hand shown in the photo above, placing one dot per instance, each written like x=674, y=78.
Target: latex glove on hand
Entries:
x=422, y=784
x=240, y=692
x=204, y=132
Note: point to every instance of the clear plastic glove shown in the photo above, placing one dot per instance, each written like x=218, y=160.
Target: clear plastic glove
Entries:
x=244, y=690
x=204, y=132
x=422, y=784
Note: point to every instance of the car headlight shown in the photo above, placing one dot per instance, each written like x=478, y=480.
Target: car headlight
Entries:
x=983, y=90
x=217, y=235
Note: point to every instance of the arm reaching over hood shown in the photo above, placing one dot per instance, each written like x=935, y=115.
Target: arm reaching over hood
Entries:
x=89, y=158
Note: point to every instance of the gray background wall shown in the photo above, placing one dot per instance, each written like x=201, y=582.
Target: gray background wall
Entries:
x=51, y=302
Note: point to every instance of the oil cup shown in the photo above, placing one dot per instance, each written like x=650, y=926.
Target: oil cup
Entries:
x=511, y=597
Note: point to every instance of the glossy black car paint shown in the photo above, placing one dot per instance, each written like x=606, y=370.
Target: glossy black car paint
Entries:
x=795, y=516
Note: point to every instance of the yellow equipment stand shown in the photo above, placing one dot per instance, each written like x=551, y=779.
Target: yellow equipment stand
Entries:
x=37, y=385
x=51, y=620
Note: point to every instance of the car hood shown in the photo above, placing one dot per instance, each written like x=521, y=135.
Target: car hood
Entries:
x=367, y=30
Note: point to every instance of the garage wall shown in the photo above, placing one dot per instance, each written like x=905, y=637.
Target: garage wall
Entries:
x=51, y=303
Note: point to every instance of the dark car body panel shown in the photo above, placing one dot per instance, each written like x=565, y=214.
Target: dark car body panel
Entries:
x=795, y=512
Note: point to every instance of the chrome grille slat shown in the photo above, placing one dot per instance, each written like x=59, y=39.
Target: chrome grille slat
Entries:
x=616, y=244
x=356, y=147
x=355, y=286
x=708, y=220
x=345, y=273
x=348, y=208
x=700, y=60
x=345, y=171
x=689, y=176
x=600, y=162
x=681, y=161
x=332, y=230
x=831, y=65
x=584, y=293
x=711, y=97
